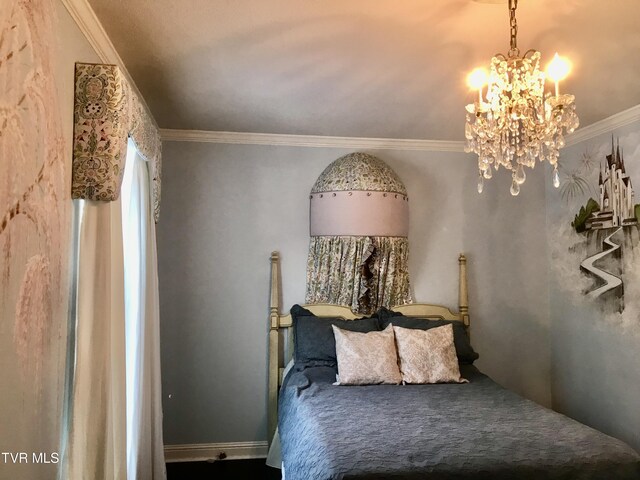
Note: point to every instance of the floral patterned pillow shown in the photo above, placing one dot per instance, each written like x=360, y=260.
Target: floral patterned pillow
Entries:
x=427, y=356
x=366, y=358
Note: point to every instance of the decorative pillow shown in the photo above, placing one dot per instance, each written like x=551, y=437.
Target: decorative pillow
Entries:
x=366, y=358
x=313, y=341
x=427, y=356
x=465, y=352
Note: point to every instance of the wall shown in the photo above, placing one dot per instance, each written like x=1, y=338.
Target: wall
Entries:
x=226, y=207
x=35, y=167
x=595, y=349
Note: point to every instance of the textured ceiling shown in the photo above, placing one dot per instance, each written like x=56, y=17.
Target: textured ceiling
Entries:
x=363, y=68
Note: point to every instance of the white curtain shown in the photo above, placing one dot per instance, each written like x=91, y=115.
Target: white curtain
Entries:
x=145, y=454
x=97, y=446
x=116, y=411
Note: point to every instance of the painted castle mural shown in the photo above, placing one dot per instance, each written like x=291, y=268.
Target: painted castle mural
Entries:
x=616, y=195
x=606, y=234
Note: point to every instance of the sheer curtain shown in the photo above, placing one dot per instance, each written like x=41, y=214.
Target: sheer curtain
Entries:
x=96, y=441
x=115, y=422
x=145, y=455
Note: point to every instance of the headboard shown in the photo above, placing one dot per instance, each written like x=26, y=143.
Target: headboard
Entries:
x=280, y=351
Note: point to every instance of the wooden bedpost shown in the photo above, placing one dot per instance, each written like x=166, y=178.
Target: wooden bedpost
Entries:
x=463, y=302
x=274, y=350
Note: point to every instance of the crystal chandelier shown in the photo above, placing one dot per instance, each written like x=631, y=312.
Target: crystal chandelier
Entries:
x=516, y=121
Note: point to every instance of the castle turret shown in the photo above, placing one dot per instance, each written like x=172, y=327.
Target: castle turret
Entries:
x=617, y=206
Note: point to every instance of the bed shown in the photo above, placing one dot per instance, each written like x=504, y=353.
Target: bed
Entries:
x=475, y=430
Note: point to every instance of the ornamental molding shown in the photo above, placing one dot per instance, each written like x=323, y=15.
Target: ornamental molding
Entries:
x=605, y=125
x=90, y=26
x=317, y=141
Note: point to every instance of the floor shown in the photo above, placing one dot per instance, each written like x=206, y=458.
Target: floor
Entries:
x=223, y=469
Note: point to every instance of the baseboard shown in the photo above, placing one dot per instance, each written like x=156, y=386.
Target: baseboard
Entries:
x=215, y=451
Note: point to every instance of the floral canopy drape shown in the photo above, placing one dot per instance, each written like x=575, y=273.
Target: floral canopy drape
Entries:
x=107, y=111
x=358, y=255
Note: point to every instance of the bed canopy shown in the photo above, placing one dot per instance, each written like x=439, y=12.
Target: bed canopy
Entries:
x=359, y=223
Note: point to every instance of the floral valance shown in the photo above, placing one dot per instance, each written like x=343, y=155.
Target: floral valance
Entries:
x=107, y=111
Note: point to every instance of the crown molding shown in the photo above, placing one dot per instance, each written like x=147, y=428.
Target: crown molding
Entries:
x=244, y=138
x=90, y=26
x=605, y=126
x=319, y=141
x=92, y=29
x=215, y=451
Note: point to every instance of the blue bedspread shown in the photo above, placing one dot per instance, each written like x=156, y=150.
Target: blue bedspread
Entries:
x=477, y=430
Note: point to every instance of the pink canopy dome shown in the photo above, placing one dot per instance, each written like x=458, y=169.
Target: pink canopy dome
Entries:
x=359, y=195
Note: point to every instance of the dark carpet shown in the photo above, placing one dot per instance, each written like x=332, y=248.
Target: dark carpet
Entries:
x=223, y=469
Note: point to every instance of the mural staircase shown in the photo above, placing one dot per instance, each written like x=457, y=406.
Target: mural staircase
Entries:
x=610, y=281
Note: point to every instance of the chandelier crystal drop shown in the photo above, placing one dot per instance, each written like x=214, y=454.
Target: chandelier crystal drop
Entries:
x=516, y=122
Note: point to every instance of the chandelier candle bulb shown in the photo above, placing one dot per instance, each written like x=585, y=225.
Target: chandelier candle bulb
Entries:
x=476, y=80
x=558, y=69
x=518, y=121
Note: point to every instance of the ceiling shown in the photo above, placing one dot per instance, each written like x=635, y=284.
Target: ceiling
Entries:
x=358, y=68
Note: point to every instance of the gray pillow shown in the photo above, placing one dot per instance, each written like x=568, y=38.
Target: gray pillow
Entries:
x=313, y=339
x=465, y=352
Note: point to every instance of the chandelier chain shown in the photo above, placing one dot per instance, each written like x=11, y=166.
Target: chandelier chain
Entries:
x=513, y=23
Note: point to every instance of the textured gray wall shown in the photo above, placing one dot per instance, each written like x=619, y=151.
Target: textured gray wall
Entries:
x=595, y=356
x=226, y=207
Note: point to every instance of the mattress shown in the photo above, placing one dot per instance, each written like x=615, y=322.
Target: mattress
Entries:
x=476, y=430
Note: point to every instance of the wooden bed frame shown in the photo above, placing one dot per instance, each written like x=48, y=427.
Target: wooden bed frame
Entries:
x=280, y=335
